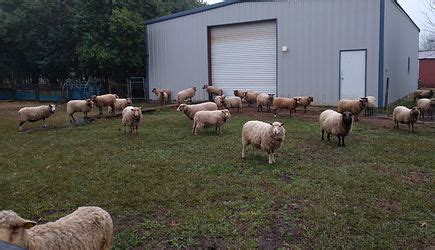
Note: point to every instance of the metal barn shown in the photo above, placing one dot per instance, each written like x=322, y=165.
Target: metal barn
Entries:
x=330, y=49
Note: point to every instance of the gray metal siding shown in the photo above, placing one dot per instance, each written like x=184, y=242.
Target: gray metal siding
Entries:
x=401, y=42
x=314, y=30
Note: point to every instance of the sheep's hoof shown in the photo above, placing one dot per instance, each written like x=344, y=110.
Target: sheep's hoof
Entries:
x=274, y=116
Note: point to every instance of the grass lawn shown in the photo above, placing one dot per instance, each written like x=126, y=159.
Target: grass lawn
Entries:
x=165, y=188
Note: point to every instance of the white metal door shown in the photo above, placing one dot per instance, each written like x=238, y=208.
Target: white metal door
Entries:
x=243, y=56
x=352, y=74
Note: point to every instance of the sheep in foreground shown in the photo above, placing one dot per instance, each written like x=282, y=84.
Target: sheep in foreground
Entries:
x=428, y=93
x=250, y=96
x=33, y=114
x=120, y=104
x=405, y=115
x=74, y=106
x=186, y=94
x=371, y=105
x=104, y=101
x=268, y=137
x=158, y=92
x=232, y=102
x=190, y=110
x=425, y=106
x=264, y=100
x=305, y=101
x=132, y=117
x=285, y=103
x=353, y=106
x=335, y=123
x=85, y=228
x=212, y=90
x=210, y=119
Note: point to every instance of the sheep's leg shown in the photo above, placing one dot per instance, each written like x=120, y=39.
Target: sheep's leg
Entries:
x=125, y=129
x=291, y=112
x=339, y=140
x=323, y=132
x=243, y=150
x=270, y=158
x=342, y=139
x=194, y=129
x=305, y=109
x=71, y=120
x=101, y=110
x=20, y=126
x=45, y=124
x=275, y=112
x=328, y=136
x=131, y=129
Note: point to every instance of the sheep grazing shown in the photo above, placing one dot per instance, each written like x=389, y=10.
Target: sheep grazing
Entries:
x=212, y=90
x=232, y=102
x=305, y=101
x=214, y=118
x=423, y=94
x=425, y=106
x=105, y=101
x=268, y=137
x=186, y=94
x=371, y=105
x=264, y=100
x=190, y=110
x=33, y=114
x=353, y=106
x=250, y=96
x=120, y=105
x=405, y=115
x=74, y=106
x=85, y=228
x=335, y=123
x=284, y=103
x=132, y=117
x=158, y=92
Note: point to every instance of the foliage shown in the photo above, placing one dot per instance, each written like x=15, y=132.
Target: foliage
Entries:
x=59, y=39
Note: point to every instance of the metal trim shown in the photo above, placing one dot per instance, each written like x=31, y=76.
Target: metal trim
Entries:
x=381, y=54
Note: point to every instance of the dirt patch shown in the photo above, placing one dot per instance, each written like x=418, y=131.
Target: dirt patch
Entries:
x=211, y=243
x=122, y=222
x=388, y=205
x=416, y=178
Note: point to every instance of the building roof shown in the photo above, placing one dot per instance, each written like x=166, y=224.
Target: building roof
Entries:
x=229, y=2
x=428, y=54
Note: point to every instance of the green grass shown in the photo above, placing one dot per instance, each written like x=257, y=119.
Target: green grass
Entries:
x=165, y=188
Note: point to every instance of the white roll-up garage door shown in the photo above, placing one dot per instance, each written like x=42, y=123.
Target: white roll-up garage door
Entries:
x=243, y=56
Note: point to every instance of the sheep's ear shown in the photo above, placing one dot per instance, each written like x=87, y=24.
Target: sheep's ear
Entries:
x=29, y=224
x=271, y=123
x=281, y=124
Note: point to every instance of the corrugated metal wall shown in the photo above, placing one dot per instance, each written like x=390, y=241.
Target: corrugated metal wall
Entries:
x=314, y=30
x=401, y=42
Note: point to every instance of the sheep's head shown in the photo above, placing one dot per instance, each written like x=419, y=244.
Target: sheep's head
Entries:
x=154, y=91
x=93, y=98
x=226, y=114
x=347, y=119
x=270, y=97
x=89, y=103
x=236, y=92
x=298, y=100
x=182, y=107
x=277, y=128
x=129, y=102
x=415, y=111
x=204, y=87
x=363, y=101
x=52, y=108
x=13, y=228
x=310, y=99
x=136, y=113
x=194, y=88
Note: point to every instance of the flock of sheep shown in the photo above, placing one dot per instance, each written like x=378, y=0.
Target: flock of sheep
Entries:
x=92, y=227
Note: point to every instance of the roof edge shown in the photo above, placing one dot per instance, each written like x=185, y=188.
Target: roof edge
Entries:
x=404, y=12
x=192, y=11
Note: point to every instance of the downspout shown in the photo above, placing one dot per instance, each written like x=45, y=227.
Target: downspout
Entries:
x=381, y=54
x=146, y=69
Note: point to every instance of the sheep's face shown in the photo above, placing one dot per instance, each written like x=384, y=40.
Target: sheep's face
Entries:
x=415, y=111
x=297, y=100
x=93, y=98
x=52, y=108
x=13, y=228
x=154, y=91
x=204, y=87
x=194, y=88
x=270, y=98
x=311, y=99
x=347, y=119
x=236, y=93
x=182, y=107
x=136, y=112
x=129, y=102
x=226, y=114
x=363, y=101
x=277, y=128
x=89, y=103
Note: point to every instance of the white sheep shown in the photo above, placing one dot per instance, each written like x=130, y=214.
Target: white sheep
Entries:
x=250, y=96
x=190, y=110
x=214, y=118
x=285, y=103
x=120, y=105
x=264, y=100
x=428, y=93
x=353, y=106
x=304, y=101
x=425, y=106
x=212, y=90
x=163, y=97
x=232, y=102
x=33, y=114
x=218, y=101
x=158, y=91
x=74, y=106
x=265, y=136
x=85, y=228
x=405, y=115
x=186, y=94
x=371, y=105
x=104, y=101
x=335, y=123
x=132, y=117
